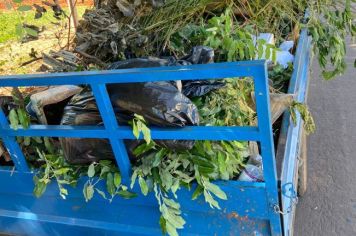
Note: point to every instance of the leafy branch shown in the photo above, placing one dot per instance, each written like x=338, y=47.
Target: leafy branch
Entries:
x=309, y=124
x=329, y=26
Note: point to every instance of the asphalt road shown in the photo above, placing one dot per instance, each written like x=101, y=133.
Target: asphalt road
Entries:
x=329, y=206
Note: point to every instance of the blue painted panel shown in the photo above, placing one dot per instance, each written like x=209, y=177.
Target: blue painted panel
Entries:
x=293, y=132
x=245, y=212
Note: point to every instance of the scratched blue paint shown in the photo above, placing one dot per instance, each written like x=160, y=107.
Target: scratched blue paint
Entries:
x=248, y=211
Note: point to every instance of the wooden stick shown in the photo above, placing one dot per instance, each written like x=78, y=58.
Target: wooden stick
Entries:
x=30, y=61
x=92, y=58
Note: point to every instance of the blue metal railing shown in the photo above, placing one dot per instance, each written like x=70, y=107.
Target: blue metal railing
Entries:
x=115, y=133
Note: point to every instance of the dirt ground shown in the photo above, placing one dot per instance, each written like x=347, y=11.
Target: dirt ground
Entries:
x=14, y=53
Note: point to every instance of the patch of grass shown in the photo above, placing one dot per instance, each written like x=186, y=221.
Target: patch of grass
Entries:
x=9, y=20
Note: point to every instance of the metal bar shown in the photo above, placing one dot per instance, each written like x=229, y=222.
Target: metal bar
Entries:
x=108, y=115
x=12, y=146
x=292, y=146
x=294, y=88
x=267, y=146
x=191, y=72
x=125, y=132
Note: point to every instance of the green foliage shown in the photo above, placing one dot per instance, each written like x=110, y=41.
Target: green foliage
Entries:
x=329, y=25
x=280, y=77
x=55, y=167
x=234, y=43
x=230, y=105
x=106, y=172
x=309, y=125
x=139, y=126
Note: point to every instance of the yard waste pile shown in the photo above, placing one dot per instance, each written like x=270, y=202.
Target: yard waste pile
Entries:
x=122, y=34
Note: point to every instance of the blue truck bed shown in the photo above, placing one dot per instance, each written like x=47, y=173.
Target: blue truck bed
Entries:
x=252, y=208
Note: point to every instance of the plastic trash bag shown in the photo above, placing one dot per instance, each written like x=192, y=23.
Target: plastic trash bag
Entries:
x=200, y=55
x=284, y=57
x=82, y=110
x=160, y=103
x=197, y=88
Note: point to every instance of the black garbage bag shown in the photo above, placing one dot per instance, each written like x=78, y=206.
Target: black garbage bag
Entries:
x=82, y=110
x=6, y=104
x=200, y=55
x=160, y=103
x=197, y=88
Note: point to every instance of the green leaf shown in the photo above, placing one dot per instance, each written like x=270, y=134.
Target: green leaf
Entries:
x=175, y=186
x=139, y=117
x=135, y=130
x=27, y=141
x=143, y=185
x=37, y=139
x=167, y=179
x=216, y=190
x=328, y=74
x=101, y=193
x=133, y=179
x=88, y=191
x=126, y=194
x=241, y=52
x=24, y=8
x=169, y=214
x=104, y=171
x=274, y=55
x=61, y=171
x=40, y=187
x=146, y=134
x=14, y=120
x=198, y=191
x=251, y=49
x=91, y=170
x=63, y=192
x=260, y=49
x=31, y=32
x=171, y=203
x=209, y=199
x=110, y=184
x=171, y=230
x=19, y=30
x=117, y=179
x=17, y=1
x=48, y=145
x=162, y=223
x=268, y=51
